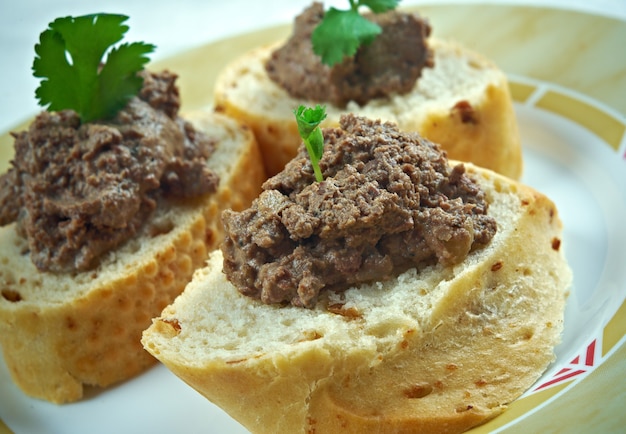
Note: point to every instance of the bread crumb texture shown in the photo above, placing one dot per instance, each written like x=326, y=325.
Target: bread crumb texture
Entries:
x=60, y=332
x=440, y=350
x=463, y=103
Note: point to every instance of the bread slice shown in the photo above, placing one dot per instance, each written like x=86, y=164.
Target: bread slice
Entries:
x=441, y=350
x=463, y=103
x=60, y=332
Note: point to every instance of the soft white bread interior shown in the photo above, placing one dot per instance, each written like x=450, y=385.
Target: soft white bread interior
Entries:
x=441, y=350
x=463, y=103
x=60, y=332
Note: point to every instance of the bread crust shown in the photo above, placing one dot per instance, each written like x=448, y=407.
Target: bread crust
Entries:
x=463, y=103
x=61, y=332
x=439, y=351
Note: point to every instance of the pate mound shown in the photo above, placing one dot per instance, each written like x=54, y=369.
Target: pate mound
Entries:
x=388, y=201
x=442, y=350
x=61, y=332
x=463, y=103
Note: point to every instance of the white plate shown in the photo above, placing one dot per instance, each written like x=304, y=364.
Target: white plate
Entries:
x=570, y=95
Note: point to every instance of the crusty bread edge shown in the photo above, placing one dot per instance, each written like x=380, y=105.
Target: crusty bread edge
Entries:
x=301, y=392
x=54, y=349
x=489, y=137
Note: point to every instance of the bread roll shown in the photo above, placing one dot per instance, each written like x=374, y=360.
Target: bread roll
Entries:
x=463, y=103
x=61, y=332
x=442, y=350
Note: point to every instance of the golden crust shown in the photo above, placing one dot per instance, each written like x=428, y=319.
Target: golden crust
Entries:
x=488, y=138
x=447, y=350
x=463, y=103
x=69, y=331
x=52, y=350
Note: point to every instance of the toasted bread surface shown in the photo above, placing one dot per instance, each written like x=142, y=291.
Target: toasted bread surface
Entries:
x=463, y=103
x=441, y=350
x=60, y=332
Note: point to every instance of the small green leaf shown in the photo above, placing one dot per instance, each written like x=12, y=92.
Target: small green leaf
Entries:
x=69, y=59
x=53, y=65
x=340, y=34
x=119, y=81
x=316, y=140
x=308, y=121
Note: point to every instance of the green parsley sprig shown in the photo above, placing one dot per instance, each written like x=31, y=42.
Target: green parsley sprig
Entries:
x=70, y=62
x=308, y=120
x=342, y=32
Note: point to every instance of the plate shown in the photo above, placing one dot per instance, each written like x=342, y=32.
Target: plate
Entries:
x=567, y=80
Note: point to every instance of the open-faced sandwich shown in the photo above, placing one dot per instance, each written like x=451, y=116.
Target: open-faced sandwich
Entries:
x=374, y=287
x=382, y=65
x=111, y=202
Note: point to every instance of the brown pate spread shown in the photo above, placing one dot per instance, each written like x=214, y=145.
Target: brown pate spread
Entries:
x=390, y=64
x=78, y=190
x=389, y=201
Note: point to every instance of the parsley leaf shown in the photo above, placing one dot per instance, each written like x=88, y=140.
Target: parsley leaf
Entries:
x=342, y=32
x=69, y=61
x=308, y=120
x=347, y=29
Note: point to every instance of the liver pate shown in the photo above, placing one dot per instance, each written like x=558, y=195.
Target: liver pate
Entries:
x=79, y=190
x=389, y=201
x=390, y=64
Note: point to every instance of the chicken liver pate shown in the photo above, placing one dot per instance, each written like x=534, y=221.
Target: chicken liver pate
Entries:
x=389, y=201
x=78, y=190
x=390, y=64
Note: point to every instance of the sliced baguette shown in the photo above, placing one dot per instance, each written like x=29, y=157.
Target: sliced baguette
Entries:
x=60, y=332
x=463, y=103
x=439, y=351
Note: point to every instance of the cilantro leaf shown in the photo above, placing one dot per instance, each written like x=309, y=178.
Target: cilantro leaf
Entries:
x=308, y=121
x=346, y=30
x=69, y=60
x=342, y=32
x=119, y=81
